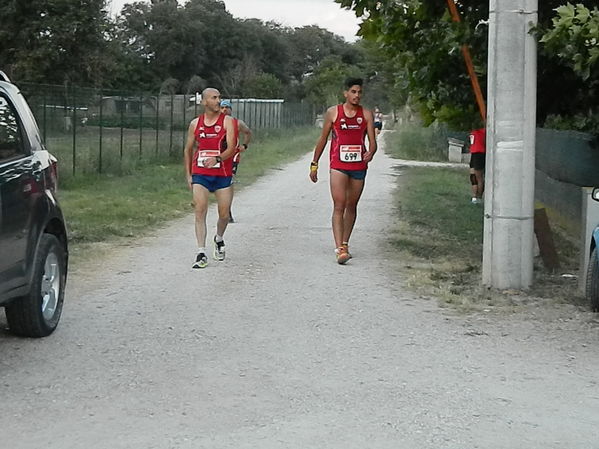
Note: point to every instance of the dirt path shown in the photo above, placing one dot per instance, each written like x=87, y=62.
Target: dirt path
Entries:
x=279, y=347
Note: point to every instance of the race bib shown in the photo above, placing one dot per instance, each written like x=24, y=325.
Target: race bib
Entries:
x=350, y=153
x=205, y=154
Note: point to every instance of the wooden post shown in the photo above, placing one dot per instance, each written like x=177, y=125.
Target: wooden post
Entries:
x=545, y=240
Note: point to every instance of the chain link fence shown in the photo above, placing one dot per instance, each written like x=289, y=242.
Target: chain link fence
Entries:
x=102, y=131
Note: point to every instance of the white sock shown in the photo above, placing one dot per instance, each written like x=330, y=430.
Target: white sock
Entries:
x=202, y=250
x=218, y=238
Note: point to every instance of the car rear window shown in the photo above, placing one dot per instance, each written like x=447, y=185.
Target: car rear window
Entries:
x=11, y=136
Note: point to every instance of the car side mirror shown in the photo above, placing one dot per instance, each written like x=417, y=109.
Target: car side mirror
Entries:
x=595, y=193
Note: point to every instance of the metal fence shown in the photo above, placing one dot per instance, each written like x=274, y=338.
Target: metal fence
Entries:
x=101, y=131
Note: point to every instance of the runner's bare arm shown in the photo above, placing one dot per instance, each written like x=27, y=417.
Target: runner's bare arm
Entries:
x=327, y=125
x=247, y=134
x=372, y=146
x=231, y=141
x=188, y=150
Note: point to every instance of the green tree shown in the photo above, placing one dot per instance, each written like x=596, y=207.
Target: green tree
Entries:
x=263, y=85
x=571, y=43
x=310, y=45
x=424, y=43
x=56, y=41
x=574, y=37
x=324, y=87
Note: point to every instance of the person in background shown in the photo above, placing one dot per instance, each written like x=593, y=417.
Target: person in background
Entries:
x=227, y=108
x=478, y=145
x=378, y=121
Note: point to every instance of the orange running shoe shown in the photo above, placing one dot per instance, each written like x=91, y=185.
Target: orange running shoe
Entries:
x=346, y=246
x=342, y=255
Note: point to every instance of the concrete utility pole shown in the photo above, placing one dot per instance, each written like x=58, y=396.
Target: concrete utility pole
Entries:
x=511, y=124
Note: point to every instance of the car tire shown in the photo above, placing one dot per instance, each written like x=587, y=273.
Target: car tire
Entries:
x=592, y=281
x=37, y=314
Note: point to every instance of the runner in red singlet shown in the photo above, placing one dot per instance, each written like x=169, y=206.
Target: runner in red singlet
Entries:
x=478, y=148
x=227, y=108
x=208, y=158
x=350, y=124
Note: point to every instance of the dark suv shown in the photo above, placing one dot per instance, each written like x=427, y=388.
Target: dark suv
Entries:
x=33, y=239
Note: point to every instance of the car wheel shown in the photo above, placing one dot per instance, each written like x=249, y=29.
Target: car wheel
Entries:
x=592, y=284
x=37, y=314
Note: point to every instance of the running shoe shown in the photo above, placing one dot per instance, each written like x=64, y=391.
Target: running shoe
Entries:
x=219, y=249
x=342, y=255
x=346, y=246
x=201, y=261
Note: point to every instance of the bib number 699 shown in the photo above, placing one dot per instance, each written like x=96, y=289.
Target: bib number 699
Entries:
x=350, y=153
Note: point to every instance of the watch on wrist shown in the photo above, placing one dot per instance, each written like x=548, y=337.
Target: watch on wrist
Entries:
x=218, y=159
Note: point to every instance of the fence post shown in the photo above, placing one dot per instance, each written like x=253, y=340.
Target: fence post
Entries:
x=45, y=117
x=74, y=137
x=157, y=120
x=170, y=145
x=122, y=127
x=184, y=107
x=141, y=120
x=101, y=127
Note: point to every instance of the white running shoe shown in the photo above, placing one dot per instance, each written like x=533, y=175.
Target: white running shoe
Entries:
x=219, y=249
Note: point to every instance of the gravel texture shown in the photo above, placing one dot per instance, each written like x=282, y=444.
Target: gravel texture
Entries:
x=280, y=347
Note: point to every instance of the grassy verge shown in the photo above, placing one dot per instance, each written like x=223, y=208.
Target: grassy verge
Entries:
x=413, y=142
x=101, y=209
x=438, y=235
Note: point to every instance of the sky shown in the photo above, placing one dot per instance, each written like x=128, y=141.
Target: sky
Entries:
x=294, y=13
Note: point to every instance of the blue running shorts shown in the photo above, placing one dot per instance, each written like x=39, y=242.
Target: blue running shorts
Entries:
x=212, y=183
x=354, y=174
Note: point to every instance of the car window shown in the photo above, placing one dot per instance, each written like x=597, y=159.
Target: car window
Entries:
x=11, y=141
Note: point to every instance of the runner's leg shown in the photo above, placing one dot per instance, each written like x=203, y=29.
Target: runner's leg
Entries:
x=200, y=199
x=224, y=199
x=480, y=183
x=339, y=184
x=354, y=192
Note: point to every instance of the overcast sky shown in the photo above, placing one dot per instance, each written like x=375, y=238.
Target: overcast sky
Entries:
x=294, y=13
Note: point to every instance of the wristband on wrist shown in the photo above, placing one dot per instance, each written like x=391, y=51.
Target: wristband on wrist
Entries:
x=313, y=166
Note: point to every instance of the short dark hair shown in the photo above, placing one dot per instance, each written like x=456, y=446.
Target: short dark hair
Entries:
x=349, y=82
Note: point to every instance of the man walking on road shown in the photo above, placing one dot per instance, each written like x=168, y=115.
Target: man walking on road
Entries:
x=227, y=108
x=349, y=159
x=209, y=169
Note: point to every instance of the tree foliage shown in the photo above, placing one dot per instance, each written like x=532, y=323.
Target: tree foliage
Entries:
x=424, y=43
x=56, y=41
x=574, y=37
x=173, y=47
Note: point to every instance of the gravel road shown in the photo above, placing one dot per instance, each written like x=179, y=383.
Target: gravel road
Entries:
x=280, y=347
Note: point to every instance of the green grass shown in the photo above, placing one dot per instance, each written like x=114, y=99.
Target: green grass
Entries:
x=414, y=142
x=107, y=208
x=435, y=203
x=438, y=236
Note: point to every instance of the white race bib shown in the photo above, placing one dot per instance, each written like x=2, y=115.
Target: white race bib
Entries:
x=205, y=154
x=350, y=153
